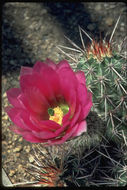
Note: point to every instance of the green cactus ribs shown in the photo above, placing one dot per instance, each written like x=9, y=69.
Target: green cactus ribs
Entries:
x=106, y=79
x=104, y=64
x=105, y=69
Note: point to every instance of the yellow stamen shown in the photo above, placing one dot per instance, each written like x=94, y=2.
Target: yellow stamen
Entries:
x=58, y=115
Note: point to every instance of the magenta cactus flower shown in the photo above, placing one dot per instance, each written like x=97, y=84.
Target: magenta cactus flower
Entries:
x=51, y=104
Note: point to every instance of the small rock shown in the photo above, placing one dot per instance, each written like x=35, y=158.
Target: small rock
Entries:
x=4, y=95
x=4, y=138
x=24, y=174
x=20, y=139
x=44, y=11
x=15, y=138
x=4, y=81
x=17, y=149
x=109, y=21
x=17, y=155
x=122, y=24
x=122, y=29
x=31, y=159
x=12, y=172
x=5, y=117
x=27, y=17
x=98, y=7
x=27, y=149
x=19, y=167
x=10, y=146
x=9, y=142
x=106, y=5
x=4, y=142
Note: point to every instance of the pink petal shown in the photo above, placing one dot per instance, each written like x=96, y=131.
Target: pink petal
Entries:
x=47, y=82
x=82, y=94
x=37, y=101
x=24, y=100
x=70, y=98
x=76, y=115
x=38, y=66
x=61, y=140
x=16, y=129
x=15, y=116
x=27, y=135
x=86, y=108
x=67, y=117
x=26, y=71
x=21, y=119
x=48, y=74
x=45, y=124
x=28, y=82
x=12, y=95
x=63, y=64
x=45, y=134
x=68, y=83
x=51, y=63
x=82, y=127
x=81, y=77
x=85, y=99
x=31, y=138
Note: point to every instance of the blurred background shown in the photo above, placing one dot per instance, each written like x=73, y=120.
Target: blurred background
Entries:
x=31, y=32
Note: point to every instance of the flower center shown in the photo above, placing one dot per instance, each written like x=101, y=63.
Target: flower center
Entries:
x=56, y=114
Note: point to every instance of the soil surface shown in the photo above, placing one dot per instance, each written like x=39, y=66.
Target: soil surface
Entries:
x=31, y=32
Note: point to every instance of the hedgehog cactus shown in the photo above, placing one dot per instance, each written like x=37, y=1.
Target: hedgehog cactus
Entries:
x=105, y=69
x=106, y=78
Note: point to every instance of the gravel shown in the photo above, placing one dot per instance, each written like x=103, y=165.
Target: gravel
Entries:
x=31, y=32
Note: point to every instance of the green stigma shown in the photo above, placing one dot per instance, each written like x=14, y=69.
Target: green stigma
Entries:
x=64, y=108
x=50, y=111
